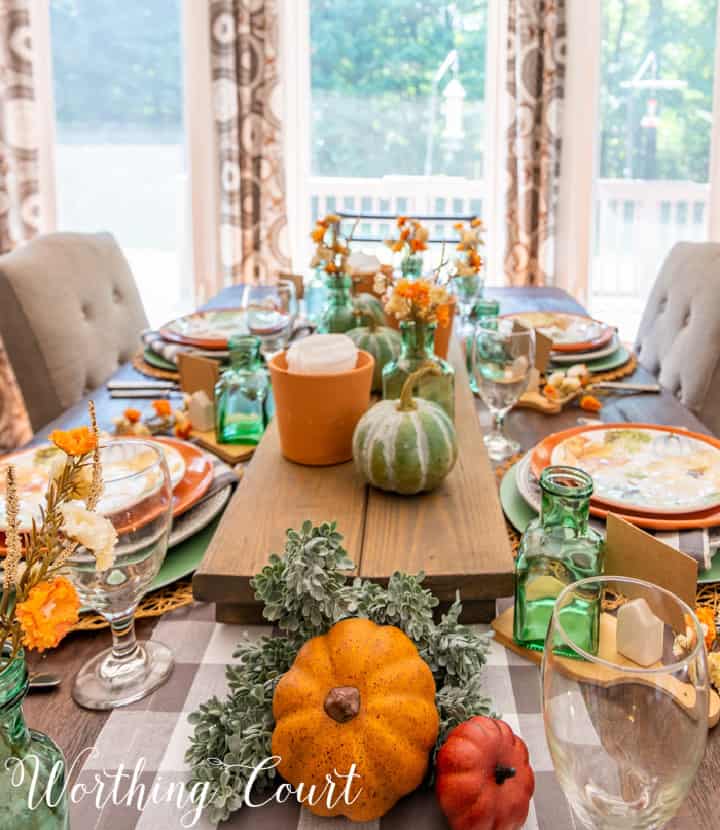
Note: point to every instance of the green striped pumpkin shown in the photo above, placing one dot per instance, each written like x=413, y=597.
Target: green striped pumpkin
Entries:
x=407, y=446
x=383, y=343
x=368, y=305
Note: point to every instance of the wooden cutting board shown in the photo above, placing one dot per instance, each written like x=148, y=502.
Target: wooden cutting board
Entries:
x=456, y=534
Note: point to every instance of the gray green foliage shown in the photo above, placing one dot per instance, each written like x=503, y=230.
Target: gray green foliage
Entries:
x=305, y=591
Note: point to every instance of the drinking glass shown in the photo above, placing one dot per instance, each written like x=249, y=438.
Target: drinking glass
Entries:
x=626, y=741
x=137, y=499
x=468, y=290
x=502, y=359
x=271, y=313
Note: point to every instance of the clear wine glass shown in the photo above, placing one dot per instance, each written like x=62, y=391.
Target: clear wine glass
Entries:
x=137, y=499
x=626, y=741
x=502, y=359
x=467, y=290
x=271, y=313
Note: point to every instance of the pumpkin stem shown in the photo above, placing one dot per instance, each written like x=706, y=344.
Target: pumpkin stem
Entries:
x=407, y=403
x=343, y=703
x=365, y=317
x=503, y=773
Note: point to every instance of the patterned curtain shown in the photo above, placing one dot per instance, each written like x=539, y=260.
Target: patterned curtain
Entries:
x=245, y=78
x=535, y=85
x=19, y=185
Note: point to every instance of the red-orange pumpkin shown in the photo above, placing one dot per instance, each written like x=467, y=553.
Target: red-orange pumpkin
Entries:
x=483, y=777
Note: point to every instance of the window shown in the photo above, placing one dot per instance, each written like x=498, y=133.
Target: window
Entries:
x=652, y=187
x=398, y=120
x=120, y=165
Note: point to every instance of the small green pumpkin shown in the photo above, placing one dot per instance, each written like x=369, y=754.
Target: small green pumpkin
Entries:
x=383, y=343
x=405, y=446
x=367, y=305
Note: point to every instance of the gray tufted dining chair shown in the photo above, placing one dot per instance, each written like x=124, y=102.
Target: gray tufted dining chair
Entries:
x=70, y=314
x=679, y=336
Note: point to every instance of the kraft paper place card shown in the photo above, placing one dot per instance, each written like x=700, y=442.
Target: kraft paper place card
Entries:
x=543, y=347
x=198, y=373
x=632, y=552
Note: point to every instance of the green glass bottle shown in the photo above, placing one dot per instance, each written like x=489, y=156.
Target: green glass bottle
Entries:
x=338, y=315
x=240, y=394
x=556, y=549
x=483, y=311
x=25, y=754
x=411, y=266
x=418, y=348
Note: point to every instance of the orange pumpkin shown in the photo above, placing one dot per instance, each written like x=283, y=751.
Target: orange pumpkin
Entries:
x=361, y=694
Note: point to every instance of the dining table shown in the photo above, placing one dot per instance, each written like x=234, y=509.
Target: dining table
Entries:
x=157, y=726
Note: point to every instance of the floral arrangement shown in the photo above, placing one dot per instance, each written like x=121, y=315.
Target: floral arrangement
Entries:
x=332, y=249
x=412, y=238
x=470, y=263
x=418, y=301
x=304, y=592
x=163, y=419
x=39, y=605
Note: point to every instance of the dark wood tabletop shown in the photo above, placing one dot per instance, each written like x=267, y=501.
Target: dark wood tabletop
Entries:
x=75, y=729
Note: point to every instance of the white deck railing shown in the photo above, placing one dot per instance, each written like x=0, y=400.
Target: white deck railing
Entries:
x=636, y=221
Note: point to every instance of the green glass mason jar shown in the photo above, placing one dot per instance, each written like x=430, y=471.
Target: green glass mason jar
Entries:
x=338, y=315
x=32, y=767
x=418, y=348
x=559, y=548
x=240, y=394
x=411, y=266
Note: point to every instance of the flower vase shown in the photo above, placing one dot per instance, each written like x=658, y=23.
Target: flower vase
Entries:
x=418, y=345
x=338, y=315
x=411, y=266
x=32, y=783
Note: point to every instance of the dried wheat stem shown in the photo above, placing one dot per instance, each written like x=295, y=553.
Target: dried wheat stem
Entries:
x=12, y=534
x=96, y=486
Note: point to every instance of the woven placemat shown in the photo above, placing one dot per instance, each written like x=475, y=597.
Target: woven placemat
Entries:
x=154, y=604
x=615, y=374
x=707, y=595
x=141, y=365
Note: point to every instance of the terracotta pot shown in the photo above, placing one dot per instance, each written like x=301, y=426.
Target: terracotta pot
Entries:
x=364, y=283
x=442, y=333
x=317, y=414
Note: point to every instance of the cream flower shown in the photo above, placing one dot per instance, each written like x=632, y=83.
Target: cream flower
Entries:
x=94, y=532
x=714, y=668
x=422, y=234
x=380, y=283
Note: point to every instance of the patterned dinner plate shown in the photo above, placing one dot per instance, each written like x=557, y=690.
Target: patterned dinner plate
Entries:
x=641, y=468
x=207, y=329
x=32, y=472
x=568, y=332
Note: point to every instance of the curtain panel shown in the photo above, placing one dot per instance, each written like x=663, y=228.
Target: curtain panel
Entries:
x=244, y=37
x=19, y=181
x=535, y=87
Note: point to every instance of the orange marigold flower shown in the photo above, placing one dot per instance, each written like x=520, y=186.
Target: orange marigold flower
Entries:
x=331, y=268
x=318, y=234
x=162, y=408
x=417, y=245
x=458, y=226
x=474, y=259
x=403, y=288
x=401, y=220
x=706, y=618
x=590, y=403
x=404, y=233
x=476, y=222
x=331, y=219
x=48, y=613
x=132, y=415
x=78, y=441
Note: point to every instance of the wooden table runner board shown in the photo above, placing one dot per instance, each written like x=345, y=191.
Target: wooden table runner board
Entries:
x=455, y=534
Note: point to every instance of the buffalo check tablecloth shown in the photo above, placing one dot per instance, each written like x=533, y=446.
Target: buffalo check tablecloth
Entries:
x=157, y=730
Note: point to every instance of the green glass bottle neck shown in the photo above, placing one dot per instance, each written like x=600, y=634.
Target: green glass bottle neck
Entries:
x=418, y=339
x=244, y=353
x=565, y=502
x=411, y=266
x=14, y=734
x=339, y=288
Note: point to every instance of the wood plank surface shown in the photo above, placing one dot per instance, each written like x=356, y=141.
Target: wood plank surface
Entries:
x=457, y=533
x=274, y=495
x=74, y=729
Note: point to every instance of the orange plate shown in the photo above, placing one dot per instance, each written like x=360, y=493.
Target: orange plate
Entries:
x=581, y=345
x=213, y=343
x=542, y=453
x=198, y=474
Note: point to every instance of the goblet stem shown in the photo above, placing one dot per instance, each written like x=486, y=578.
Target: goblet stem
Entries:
x=125, y=645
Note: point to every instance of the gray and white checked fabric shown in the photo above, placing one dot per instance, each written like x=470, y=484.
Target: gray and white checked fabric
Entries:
x=157, y=729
